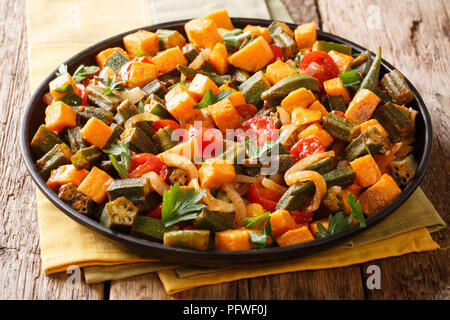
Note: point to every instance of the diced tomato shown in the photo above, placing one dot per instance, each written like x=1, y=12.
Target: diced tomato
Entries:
x=277, y=53
x=81, y=91
x=145, y=162
x=319, y=65
x=262, y=128
x=155, y=212
x=246, y=111
x=257, y=193
x=302, y=218
x=210, y=140
x=339, y=113
x=306, y=147
x=165, y=123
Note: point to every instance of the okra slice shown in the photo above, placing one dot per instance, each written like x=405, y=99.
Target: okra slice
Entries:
x=212, y=221
x=75, y=139
x=192, y=239
x=323, y=166
x=253, y=87
x=340, y=128
x=370, y=81
x=67, y=192
x=96, y=96
x=134, y=189
x=396, y=123
x=59, y=155
x=191, y=73
x=342, y=177
x=282, y=35
x=370, y=139
x=360, y=59
x=116, y=61
x=86, y=112
x=83, y=204
x=335, y=103
x=149, y=228
x=44, y=140
x=86, y=157
x=157, y=106
x=163, y=138
x=155, y=87
x=239, y=76
x=139, y=141
x=397, y=88
x=127, y=110
x=404, y=170
x=119, y=214
x=118, y=130
x=326, y=46
x=295, y=196
x=190, y=52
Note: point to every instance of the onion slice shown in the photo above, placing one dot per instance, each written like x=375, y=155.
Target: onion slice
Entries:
x=307, y=161
x=273, y=186
x=285, y=118
x=144, y=116
x=319, y=182
x=212, y=203
x=156, y=182
x=175, y=160
x=242, y=178
x=239, y=204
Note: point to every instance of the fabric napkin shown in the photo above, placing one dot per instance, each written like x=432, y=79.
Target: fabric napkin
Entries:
x=59, y=29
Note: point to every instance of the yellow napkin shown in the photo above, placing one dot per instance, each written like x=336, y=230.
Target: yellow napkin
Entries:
x=69, y=27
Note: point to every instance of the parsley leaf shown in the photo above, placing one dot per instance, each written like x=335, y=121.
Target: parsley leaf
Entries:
x=113, y=85
x=209, y=98
x=140, y=53
x=70, y=97
x=366, y=147
x=350, y=78
x=234, y=38
x=180, y=205
x=122, y=150
x=357, y=212
x=83, y=72
x=260, y=239
x=140, y=107
x=255, y=151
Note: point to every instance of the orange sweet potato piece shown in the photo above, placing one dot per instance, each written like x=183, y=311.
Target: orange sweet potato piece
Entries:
x=60, y=82
x=313, y=226
x=302, y=116
x=168, y=60
x=232, y=240
x=218, y=58
x=221, y=19
x=202, y=32
x=316, y=105
x=236, y=98
x=305, y=35
x=379, y=195
x=259, y=31
x=200, y=84
x=95, y=185
x=181, y=104
x=281, y=221
x=343, y=61
x=373, y=123
x=384, y=161
x=367, y=171
x=300, y=98
x=254, y=56
x=103, y=56
x=334, y=87
x=215, y=172
x=142, y=73
x=96, y=132
x=59, y=115
x=295, y=236
x=142, y=40
x=354, y=189
x=66, y=174
x=362, y=106
x=316, y=130
x=224, y=115
x=278, y=71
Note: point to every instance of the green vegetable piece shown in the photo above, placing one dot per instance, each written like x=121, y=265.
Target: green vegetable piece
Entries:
x=209, y=220
x=122, y=150
x=163, y=138
x=360, y=59
x=127, y=110
x=210, y=98
x=191, y=73
x=397, y=88
x=134, y=189
x=350, y=78
x=170, y=78
x=67, y=192
x=83, y=204
x=295, y=196
x=340, y=128
x=119, y=215
x=44, y=140
x=342, y=177
x=323, y=166
x=139, y=141
x=396, y=123
x=149, y=228
x=253, y=87
x=404, y=170
x=169, y=38
x=85, y=158
x=118, y=130
x=96, y=96
x=86, y=112
x=280, y=34
x=370, y=81
x=157, y=106
x=116, y=61
x=335, y=103
x=326, y=46
x=370, y=140
x=59, y=155
x=190, y=52
x=239, y=76
x=75, y=139
x=70, y=97
x=155, y=87
x=191, y=239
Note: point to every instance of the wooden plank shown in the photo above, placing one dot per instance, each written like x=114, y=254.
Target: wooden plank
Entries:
x=21, y=276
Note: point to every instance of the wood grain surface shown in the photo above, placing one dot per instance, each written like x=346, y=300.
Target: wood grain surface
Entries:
x=414, y=35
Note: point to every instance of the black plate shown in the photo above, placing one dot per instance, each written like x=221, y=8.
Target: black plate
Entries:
x=34, y=117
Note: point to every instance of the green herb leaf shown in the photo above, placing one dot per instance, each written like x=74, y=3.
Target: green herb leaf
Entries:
x=350, y=78
x=234, y=38
x=180, y=205
x=113, y=85
x=209, y=98
x=140, y=53
x=122, y=150
x=357, y=212
x=260, y=239
x=83, y=72
x=255, y=151
x=70, y=97
x=366, y=147
x=140, y=107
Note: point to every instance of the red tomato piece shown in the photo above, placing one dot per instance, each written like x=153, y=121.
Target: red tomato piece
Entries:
x=277, y=53
x=145, y=162
x=155, y=212
x=257, y=193
x=124, y=73
x=339, y=113
x=165, y=123
x=306, y=147
x=209, y=140
x=81, y=91
x=302, y=218
x=319, y=65
x=246, y=111
x=262, y=128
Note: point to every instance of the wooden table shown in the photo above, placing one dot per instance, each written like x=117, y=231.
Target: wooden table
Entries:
x=415, y=38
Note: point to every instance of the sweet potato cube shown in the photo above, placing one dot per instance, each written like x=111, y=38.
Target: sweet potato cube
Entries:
x=224, y=115
x=66, y=174
x=236, y=98
x=384, y=162
x=354, y=189
x=142, y=40
x=334, y=87
x=203, y=33
x=180, y=104
x=232, y=240
x=316, y=105
x=305, y=35
x=60, y=82
x=281, y=221
x=313, y=226
x=221, y=19
x=95, y=185
x=367, y=171
x=343, y=61
x=379, y=195
x=295, y=236
x=59, y=115
x=302, y=116
x=200, y=84
x=259, y=31
x=362, y=106
x=316, y=130
x=373, y=123
x=253, y=210
x=218, y=58
x=254, y=56
x=278, y=71
x=300, y=98
x=142, y=73
x=96, y=132
x=168, y=60
x=103, y=56
x=215, y=172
